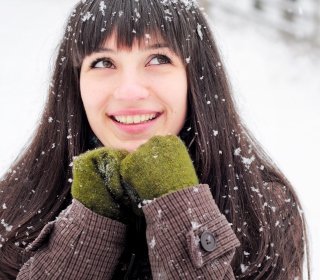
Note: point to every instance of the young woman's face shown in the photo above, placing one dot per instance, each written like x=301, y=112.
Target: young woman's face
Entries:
x=131, y=95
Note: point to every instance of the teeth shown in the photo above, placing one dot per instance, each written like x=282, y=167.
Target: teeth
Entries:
x=129, y=119
x=135, y=118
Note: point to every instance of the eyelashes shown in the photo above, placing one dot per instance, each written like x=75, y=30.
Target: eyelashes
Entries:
x=160, y=59
x=102, y=62
x=105, y=62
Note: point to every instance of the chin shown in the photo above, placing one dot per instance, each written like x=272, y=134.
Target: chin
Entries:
x=129, y=146
x=135, y=145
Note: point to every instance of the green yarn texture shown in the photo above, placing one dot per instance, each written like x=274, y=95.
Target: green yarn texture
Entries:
x=159, y=167
x=96, y=182
x=113, y=183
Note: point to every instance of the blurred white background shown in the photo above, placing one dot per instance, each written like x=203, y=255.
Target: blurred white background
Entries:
x=275, y=79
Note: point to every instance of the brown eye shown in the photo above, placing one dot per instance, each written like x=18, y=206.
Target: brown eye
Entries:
x=159, y=59
x=103, y=63
x=107, y=64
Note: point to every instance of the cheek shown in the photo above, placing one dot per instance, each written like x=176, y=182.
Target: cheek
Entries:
x=91, y=94
x=176, y=92
x=85, y=91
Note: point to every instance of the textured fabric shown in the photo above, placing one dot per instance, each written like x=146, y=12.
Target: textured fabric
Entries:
x=84, y=245
x=176, y=220
x=81, y=245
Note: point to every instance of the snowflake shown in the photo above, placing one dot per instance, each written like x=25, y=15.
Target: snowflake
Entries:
x=102, y=7
x=152, y=243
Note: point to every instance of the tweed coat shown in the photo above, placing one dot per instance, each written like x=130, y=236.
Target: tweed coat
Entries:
x=83, y=245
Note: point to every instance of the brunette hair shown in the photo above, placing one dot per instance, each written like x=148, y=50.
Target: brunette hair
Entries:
x=248, y=188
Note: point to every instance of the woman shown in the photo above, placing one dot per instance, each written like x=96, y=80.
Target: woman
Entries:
x=126, y=71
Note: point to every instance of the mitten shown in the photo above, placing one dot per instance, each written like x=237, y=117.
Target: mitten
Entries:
x=159, y=167
x=96, y=183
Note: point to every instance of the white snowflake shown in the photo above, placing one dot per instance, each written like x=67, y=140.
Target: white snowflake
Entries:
x=194, y=225
x=199, y=31
x=152, y=243
x=237, y=151
x=87, y=16
x=102, y=7
x=243, y=268
x=6, y=226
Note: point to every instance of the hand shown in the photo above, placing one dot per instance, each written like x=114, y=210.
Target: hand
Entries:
x=96, y=184
x=159, y=167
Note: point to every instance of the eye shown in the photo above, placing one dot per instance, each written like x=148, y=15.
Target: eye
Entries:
x=102, y=63
x=159, y=59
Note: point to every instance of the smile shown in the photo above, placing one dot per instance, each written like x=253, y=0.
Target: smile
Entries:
x=135, y=119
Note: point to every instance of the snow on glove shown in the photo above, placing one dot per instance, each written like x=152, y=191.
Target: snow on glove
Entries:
x=96, y=183
x=159, y=167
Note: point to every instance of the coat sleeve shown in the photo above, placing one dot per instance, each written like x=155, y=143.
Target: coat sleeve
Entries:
x=78, y=245
x=188, y=237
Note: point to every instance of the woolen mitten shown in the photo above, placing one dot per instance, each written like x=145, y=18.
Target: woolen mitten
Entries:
x=159, y=167
x=96, y=183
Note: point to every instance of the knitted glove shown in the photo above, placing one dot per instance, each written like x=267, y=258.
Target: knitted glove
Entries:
x=96, y=184
x=159, y=167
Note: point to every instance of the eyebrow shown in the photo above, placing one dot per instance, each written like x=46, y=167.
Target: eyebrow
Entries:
x=145, y=48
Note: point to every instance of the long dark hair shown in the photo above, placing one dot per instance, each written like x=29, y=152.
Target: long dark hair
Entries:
x=247, y=186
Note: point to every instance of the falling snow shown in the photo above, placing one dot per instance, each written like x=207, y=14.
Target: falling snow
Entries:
x=243, y=268
x=87, y=16
x=102, y=7
x=237, y=151
x=6, y=226
x=194, y=225
x=199, y=31
x=152, y=244
x=276, y=82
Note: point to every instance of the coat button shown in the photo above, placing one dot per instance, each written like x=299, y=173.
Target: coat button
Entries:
x=208, y=241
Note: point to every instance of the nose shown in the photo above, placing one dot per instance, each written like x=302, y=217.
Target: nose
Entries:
x=131, y=87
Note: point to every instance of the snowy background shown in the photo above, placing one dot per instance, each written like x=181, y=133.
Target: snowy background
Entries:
x=275, y=79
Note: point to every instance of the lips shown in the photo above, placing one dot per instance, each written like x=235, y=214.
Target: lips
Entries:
x=135, y=119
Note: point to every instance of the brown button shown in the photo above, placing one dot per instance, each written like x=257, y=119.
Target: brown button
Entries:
x=208, y=241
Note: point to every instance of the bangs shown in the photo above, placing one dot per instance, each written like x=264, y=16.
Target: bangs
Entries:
x=130, y=21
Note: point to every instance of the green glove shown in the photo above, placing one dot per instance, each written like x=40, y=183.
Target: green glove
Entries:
x=96, y=183
x=159, y=167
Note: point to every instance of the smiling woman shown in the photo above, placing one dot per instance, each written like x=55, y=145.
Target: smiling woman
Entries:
x=131, y=94
x=153, y=175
